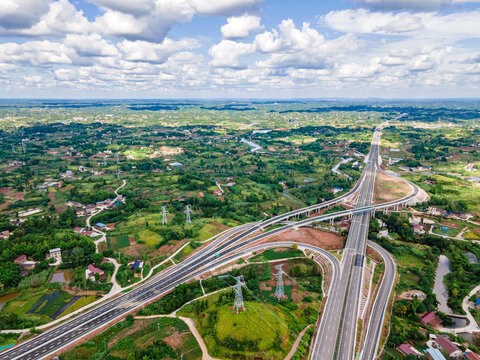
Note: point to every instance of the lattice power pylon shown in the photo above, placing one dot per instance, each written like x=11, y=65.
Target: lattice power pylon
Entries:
x=279, y=290
x=105, y=161
x=116, y=158
x=188, y=211
x=24, y=149
x=238, y=303
x=118, y=173
x=164, y=215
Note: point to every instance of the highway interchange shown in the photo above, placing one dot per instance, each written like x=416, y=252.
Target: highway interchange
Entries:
x=336, y=335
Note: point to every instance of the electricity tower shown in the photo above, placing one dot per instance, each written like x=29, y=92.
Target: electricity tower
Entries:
x=279, y=291
x=118, y=173
x=188, y=212
x=116, y=158
x=238, y=303
x=105, y=161
x=24, y=149
x=13, y=147
x=164, y=215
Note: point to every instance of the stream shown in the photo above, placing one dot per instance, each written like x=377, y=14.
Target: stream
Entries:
x=439, y=288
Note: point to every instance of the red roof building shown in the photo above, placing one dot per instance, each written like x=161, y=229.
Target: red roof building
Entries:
x=406, y=349
x=21, y=259
x=92, y=270
x=431, y=319
x=471, y=356
x=445, y=343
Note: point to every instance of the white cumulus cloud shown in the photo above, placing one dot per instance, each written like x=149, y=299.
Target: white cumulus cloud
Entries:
x=240, y=26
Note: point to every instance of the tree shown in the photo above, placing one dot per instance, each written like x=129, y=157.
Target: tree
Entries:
x=77, y=256
x=35, y=281
x=9, y=276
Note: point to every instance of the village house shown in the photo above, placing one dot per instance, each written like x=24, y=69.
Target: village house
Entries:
x=430, y=318
x=78, y=230
x=54, y=254
x=20, y=260
x=4, y=235
x=100, y=226
x=418, y=229
x=452, y=349
x=468, y=355
x=75, y=204
x=90, y=233
x=90, y=209
x=433, y=210
x=91, y=270
x=407, y=349
x=434, y=354
x=80, y=212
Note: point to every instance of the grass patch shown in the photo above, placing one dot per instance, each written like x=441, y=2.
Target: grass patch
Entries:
x=275, y=254
x=127, y=337
x=446, y=231
x=122, y=241
x=149, y=237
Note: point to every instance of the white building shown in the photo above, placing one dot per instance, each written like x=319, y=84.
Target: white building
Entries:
x=55, y=254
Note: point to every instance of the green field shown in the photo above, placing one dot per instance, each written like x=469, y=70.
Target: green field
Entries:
x=411, y=260
x=259, y=331
x=276, y=254
x=149, y=237
x=80, y=303
x=449, y=231
x=37, y=305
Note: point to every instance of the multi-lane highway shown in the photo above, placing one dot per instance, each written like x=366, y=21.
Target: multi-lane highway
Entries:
x=219, y=251
x=337, y=334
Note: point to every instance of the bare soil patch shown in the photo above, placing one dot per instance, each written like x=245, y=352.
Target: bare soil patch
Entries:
x=409, y=295
x=135, y=250
x=322, y=239
x=389, y=188
x=175, y=340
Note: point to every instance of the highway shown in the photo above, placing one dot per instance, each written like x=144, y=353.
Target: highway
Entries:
x=218, y=251
x=337, y=334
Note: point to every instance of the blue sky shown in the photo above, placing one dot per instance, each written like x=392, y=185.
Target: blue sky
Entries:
x=239, y=48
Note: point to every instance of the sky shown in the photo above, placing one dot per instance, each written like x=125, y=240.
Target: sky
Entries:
x=239, y=49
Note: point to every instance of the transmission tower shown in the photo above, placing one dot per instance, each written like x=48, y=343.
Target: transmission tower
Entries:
x=23, y=147
x=279, y=291
x=238, y=303
x=116, y=158
x=13, y=147
x=164, y=215
x=188, y=212
x=105, y=161
x=118, y=173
